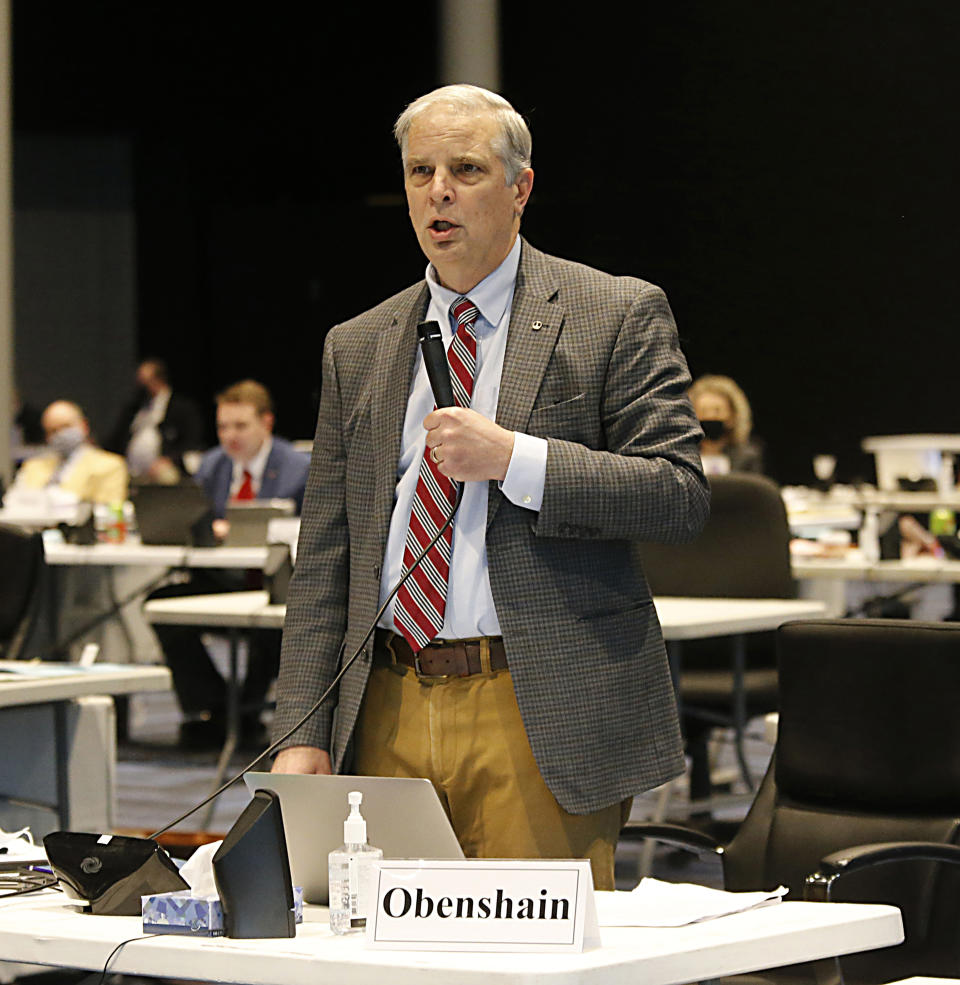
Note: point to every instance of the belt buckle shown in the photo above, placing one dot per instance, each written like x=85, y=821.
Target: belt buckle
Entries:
x=428, y=678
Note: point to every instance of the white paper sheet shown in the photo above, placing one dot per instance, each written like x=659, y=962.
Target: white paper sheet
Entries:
x=655, y=903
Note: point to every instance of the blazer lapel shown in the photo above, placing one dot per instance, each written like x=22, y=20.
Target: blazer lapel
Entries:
x=395, y=359
x=271, y=473
x=221, y=485
x=535, y=322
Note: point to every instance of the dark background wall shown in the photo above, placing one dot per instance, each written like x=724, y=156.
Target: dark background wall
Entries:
x=75, y=301
x=785, y=171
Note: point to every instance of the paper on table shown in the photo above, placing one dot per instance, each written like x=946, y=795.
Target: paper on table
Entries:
x=655, y=903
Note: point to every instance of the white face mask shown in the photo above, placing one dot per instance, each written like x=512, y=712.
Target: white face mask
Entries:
x=65, y=441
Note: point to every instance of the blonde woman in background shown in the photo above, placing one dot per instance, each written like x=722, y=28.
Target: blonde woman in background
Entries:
x=724, y=414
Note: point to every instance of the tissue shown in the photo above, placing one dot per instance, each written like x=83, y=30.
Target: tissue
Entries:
x=197, y=912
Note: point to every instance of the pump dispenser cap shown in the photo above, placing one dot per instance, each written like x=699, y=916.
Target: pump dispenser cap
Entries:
x=354, y=827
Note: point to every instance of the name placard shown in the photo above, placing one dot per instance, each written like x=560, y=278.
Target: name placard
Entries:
x=483, y=905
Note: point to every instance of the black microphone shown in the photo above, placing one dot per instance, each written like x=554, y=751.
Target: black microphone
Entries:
x=435, y=359
x=438, y=372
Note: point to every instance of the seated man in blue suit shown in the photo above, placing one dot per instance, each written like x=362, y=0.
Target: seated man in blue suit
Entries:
x=249, y=463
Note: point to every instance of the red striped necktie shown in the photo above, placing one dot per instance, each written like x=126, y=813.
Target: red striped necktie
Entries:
x=420, y=605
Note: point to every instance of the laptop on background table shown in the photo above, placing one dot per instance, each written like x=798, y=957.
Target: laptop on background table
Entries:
x=250, y=519
x=178, y=515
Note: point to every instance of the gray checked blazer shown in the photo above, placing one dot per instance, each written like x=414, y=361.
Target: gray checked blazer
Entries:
x=593, y=365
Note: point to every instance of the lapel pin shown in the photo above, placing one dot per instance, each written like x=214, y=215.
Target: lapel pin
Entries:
x=537, y=325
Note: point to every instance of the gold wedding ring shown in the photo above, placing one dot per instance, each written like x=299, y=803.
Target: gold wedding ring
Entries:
x=433, y=455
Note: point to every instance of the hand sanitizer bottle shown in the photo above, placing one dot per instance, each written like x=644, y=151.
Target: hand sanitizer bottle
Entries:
x=351, y=871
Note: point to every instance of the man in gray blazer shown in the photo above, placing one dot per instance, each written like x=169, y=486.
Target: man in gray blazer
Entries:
x=522, y=669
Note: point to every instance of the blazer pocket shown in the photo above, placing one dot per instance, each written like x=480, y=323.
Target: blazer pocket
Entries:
x=569, y=419
x=614, y=611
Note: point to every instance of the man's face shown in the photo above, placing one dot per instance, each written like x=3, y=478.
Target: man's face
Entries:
x=61, y=415
x=242, y=430
x=465, y=216
x=146, y=378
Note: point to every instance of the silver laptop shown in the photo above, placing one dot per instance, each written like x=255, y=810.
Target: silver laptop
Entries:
x=404, y=817
x=249, y=520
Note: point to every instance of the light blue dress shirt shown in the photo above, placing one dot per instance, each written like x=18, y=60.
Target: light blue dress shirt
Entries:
x=470, y=610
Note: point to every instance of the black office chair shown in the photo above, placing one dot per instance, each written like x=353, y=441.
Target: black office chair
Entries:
x=743, y=552
x=868, y=754
x=21, y=568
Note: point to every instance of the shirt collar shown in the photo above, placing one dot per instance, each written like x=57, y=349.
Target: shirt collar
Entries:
x=257, y=465
x=491, y=295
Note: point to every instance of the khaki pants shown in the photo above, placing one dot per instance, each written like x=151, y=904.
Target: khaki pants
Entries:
x=466, y=735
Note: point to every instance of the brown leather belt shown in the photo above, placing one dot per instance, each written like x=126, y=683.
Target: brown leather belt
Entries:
x=443, y=659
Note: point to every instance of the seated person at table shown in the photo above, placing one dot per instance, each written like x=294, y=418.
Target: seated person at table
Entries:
x=250, y=463
x=157, y=427
x=73, y=468
x=724, y=414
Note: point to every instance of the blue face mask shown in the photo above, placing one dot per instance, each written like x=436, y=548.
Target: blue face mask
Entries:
x=67, y=440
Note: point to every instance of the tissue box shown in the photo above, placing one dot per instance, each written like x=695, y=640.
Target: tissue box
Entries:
x=183, y=913
x=298, y=904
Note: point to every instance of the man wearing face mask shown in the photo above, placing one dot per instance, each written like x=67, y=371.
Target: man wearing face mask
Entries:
x=72, y=463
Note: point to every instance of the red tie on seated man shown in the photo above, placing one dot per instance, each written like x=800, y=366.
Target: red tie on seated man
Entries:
x=245, y=492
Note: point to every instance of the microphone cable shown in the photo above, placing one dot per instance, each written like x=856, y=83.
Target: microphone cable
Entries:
x=438, y=372
x=346, y=666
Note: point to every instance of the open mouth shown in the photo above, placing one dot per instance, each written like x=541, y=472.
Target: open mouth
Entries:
x=441, y=225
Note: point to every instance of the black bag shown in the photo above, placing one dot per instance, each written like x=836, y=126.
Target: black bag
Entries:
x=111, y=872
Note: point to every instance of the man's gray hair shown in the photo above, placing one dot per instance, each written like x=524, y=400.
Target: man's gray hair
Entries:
x=513, y=143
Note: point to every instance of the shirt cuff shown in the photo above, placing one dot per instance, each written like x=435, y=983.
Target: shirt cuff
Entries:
x=523, y=483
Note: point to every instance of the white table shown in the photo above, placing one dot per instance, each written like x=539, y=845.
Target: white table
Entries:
x=811, y=501
x=917, y=980
x=58, y=753
x=124, y=574
x=246, y=610
x=132, y=553
x=702, y=618
x=827, y=579
x=43, y=932
x=37, y=517
x=693, y=618
x=235, y=612
x=913, y=454
x=921, y=569
x=25, y=683
x=680, y=618
x=810, y=511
